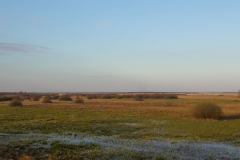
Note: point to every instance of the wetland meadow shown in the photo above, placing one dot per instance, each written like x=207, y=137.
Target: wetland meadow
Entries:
x=118, y=126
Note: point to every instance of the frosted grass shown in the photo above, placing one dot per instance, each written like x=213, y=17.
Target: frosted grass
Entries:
x=182, y=149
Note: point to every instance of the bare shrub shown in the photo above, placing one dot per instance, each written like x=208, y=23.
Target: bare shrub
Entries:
x=17, y=97
x=207, y=110
x=15, y=102
x=65, y=98
x=138, y=99
x=55, y=96
x=170, y=96
x=36, y=97
x=105, y=96
x=47, y=99
x=79, y=100
x=118, y=97
x=91, y=96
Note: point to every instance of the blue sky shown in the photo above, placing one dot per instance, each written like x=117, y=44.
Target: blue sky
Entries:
x=120, y=46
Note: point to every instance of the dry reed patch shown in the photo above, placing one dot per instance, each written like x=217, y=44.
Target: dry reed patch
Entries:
x=231, y=109
x=180, y=107
x=116, y=105
x=209, y=96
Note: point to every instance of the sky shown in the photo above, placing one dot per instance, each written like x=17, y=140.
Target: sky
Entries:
x=119, y=46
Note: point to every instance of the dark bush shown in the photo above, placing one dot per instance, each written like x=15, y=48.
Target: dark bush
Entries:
x=207, y=110
x=36, y=97
x=79, y=100
x=138, y=96
x=55, y=96
x=170, y=96
x=26, y=98
x=6, y=98
x=91, y=96
x=47, y=99
x=138, y=99
x=15, y=102
x=118, y=97
x=17, y=97
x=65, y=98
x=105, y=96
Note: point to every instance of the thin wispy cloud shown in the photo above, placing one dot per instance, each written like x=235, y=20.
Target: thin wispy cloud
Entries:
x=6, y=48
x=104, y=25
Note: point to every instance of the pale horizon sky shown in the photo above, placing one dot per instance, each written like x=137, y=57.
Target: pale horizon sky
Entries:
x=119, y=46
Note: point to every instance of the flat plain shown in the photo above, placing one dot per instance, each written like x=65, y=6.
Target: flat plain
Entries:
x=120, y=129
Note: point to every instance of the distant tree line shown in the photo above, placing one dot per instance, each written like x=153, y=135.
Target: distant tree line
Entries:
x=120, y=96
x=68, y=97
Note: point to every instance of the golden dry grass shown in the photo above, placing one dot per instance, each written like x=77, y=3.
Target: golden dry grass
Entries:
x=176, y=107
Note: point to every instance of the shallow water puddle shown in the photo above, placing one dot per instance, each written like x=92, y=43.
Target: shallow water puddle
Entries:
x=182, y=149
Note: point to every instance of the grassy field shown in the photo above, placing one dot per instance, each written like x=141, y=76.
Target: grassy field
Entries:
x=119, y=129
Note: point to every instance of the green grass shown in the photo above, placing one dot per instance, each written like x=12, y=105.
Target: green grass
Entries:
x=110, y=123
